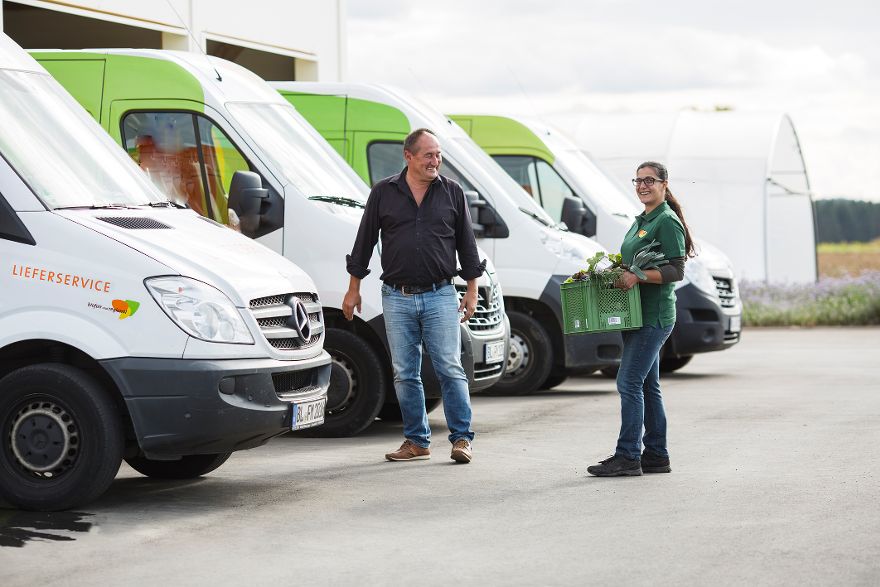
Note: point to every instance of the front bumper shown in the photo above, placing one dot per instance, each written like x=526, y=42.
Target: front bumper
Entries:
x=203, y=406
x=701, y=324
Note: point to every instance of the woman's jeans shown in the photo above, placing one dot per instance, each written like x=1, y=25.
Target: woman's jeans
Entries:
x=638, y=382
x=431, y=318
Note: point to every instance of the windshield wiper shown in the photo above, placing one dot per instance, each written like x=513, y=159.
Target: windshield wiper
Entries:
x=341, y=201
x=97, y=207
x=165, y=204
x=535, y=216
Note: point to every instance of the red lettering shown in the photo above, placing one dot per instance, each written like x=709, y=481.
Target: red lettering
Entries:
x=75, y=280
x=27, y=271
x=67, y=279
x=51, y=276
x=14, y=266
x=106, y=287
x=42, y=275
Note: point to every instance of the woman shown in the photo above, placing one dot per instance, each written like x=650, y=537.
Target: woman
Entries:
x=638, y=380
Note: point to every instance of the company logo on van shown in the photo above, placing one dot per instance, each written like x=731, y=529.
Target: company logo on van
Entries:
x=126, y=308
x=300, y=319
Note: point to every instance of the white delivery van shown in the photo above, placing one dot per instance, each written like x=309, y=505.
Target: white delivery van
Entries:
x=573, y=189
x=533, y=256
x=130, y=327
x=190, y=122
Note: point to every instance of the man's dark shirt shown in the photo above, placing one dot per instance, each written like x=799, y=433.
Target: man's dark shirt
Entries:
x=418, y=242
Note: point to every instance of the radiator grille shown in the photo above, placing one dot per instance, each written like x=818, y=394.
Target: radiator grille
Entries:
x=276, y=317
x=490, y=309
x=726, y=294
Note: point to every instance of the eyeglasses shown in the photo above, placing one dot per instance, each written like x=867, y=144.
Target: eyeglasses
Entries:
x=648, y=181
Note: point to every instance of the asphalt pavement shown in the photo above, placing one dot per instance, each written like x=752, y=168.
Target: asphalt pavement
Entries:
x=773, y=444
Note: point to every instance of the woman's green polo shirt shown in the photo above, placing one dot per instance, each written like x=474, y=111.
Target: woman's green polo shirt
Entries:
x=662, y=225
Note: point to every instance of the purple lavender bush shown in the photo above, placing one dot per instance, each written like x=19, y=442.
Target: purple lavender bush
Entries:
x=832, y=301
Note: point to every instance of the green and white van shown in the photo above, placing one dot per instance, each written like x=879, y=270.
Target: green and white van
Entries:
x=574, y=190
x=191, y=121
x=130, y=327
x=367, y=125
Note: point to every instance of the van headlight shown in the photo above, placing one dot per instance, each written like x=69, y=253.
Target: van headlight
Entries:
x=696, y=273
x=200, y=310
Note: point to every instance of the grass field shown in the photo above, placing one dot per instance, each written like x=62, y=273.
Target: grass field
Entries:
x=846, y=294
x=848, y=259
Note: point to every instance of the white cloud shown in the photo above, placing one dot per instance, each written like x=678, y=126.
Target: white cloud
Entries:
x=818, y=61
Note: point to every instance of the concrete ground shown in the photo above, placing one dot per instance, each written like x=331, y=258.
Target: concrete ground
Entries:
x=773, y=447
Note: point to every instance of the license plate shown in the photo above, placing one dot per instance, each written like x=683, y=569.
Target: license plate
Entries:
x=735, y=323
x=308, y=414
x=494, y=352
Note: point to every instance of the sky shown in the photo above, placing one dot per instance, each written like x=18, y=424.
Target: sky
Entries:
x=818, y=61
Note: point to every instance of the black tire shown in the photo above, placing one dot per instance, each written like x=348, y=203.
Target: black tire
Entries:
x=390, y=412
x=670, y=364
x=553, y=380
x=610, y=372
x=61, y=436
x=529, y=360
x=188, y=467
x=358, y=384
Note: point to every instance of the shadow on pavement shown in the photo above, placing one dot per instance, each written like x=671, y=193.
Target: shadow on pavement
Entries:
x=17, y=528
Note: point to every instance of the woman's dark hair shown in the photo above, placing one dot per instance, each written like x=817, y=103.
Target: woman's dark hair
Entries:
x=663, y=174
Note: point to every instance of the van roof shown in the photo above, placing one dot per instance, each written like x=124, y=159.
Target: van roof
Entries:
x=221, y=80
x=14, y=57
x=418, y=113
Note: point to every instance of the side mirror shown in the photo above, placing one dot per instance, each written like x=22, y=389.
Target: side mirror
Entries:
x=484, y=219
x=577, y=217
x=476, y=204
x=246, y=197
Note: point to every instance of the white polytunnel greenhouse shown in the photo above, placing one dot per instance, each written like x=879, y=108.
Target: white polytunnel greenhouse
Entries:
x=740, y=178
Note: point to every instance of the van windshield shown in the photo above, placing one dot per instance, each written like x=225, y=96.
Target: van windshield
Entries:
x=61, y=152
x=294, y=149
x=595, y=183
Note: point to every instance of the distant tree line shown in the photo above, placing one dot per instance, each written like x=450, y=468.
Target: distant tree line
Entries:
x=840, y=220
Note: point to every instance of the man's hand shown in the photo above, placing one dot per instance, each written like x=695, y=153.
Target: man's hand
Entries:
x=627, y=281
x=352, y=299
x=468, y=303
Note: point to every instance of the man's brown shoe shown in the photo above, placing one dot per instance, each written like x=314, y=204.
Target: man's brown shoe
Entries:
x=409, y=451
x=461, y=451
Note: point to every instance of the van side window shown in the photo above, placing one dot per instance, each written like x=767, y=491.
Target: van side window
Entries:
x=221, y=159
x=187, y=156
x=384, y=159
x=522, y=169
x=164, y=145
x=554, y=190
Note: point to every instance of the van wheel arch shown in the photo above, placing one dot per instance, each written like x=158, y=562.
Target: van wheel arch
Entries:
x=38, y=351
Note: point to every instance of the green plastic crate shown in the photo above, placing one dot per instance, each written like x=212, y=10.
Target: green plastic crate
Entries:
x=595, y=305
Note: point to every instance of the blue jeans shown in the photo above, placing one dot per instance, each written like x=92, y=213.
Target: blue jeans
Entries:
x=430, y=318
x=638, y=383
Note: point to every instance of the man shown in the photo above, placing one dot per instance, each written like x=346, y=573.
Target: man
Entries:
x=423, y=220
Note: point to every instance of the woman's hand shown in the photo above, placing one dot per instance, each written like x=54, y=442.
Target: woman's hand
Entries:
x=627, y=281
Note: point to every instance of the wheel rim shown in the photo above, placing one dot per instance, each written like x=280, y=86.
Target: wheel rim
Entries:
x=518, y=357
x=44, y=439
x=343, y=384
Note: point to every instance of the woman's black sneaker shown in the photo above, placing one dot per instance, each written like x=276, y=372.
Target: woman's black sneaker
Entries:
x=616, y=466
x=654, y=463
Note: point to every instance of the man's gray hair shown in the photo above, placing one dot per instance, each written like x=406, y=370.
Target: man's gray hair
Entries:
x=409, y=144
